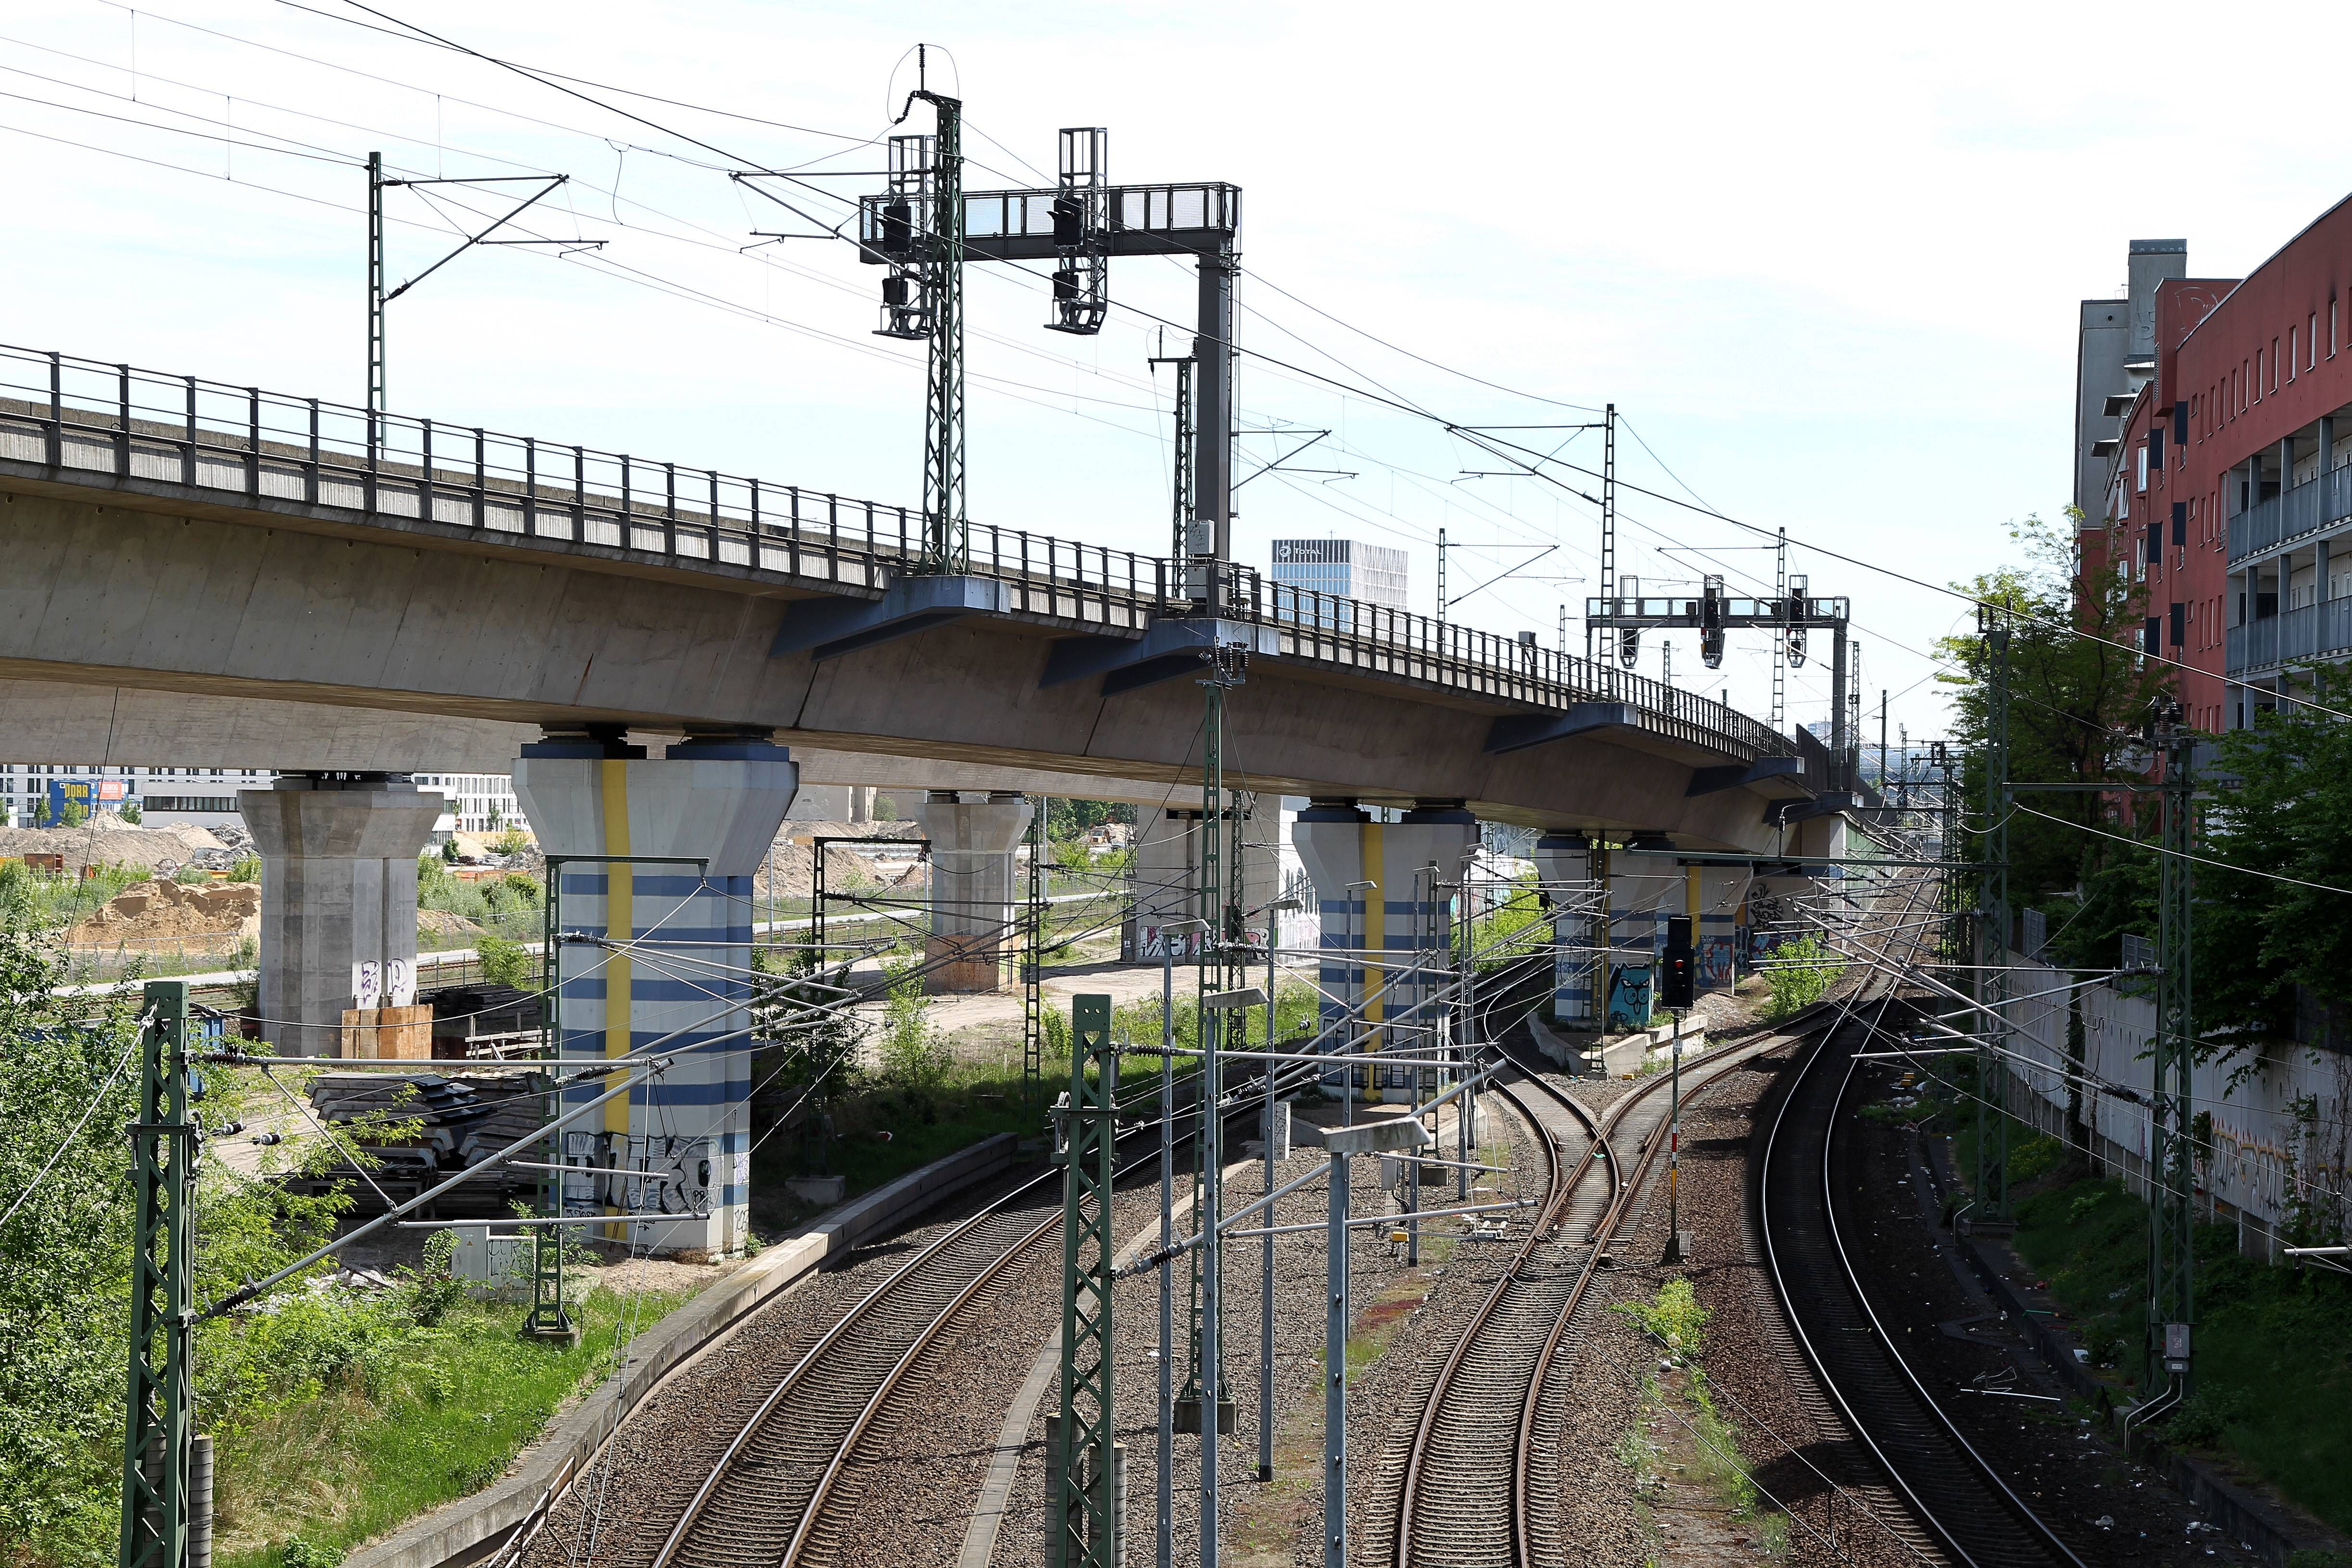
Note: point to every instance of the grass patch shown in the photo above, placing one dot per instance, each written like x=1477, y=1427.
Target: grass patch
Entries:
x=436, y=1414
x=1680, y=1403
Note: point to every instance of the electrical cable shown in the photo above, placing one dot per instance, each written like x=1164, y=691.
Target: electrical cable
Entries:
x=75, y=1131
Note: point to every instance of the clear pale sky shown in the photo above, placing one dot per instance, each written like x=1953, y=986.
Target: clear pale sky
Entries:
x=1826, y=262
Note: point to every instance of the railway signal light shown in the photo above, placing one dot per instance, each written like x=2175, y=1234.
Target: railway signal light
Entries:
x=1710, y=622
x=1678, y=967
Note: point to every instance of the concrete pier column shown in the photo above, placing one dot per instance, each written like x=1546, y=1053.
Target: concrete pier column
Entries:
x=1166, y=882
x=659, y=952
x=338, y=900
x=1716, y=893
x=1388, y=950
x=974, y=889
x=1646, y=887
x=1570, y=869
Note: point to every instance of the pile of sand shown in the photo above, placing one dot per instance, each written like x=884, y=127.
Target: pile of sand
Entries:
x=148, y=910
x=107, y=839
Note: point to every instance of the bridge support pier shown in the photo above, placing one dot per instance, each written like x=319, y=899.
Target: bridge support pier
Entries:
x=1570, y=866
x=1387, y=950
x=665, y=958
x=973, y=886
x=338, y=900
x=1166, y=882
x=1644, y=891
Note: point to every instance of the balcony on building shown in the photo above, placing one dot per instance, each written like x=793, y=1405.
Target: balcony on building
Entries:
x=2290, y=552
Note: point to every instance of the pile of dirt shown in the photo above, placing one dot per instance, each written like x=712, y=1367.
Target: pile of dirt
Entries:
x=164, y=909
x=442, y=923
x=790, y=869
x=106, y=839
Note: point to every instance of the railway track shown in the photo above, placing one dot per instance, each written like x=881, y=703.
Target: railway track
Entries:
x=1468, y=1499
x=786, y=1486
x=1961, y=1502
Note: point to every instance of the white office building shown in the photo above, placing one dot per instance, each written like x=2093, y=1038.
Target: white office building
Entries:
x=1341, y=569
x=204, y=796
x=478, y=803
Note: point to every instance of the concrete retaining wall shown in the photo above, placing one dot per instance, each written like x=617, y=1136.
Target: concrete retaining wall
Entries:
x=1621, y=1056
x=2266, y=1160
x=471, y=1527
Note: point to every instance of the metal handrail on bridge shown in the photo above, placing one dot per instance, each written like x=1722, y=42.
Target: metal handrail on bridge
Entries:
x=70, y=414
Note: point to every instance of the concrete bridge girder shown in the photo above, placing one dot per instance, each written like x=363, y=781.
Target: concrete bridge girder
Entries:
x=115, y=596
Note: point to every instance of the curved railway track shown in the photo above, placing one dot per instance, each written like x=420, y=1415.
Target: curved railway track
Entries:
x=782, y=1490
x=1974, y=1515
x=1467, y=1500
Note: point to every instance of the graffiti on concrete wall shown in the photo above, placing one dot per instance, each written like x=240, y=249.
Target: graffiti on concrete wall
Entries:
x=657, y=1173
x=1629, y=997
x=1715, y=963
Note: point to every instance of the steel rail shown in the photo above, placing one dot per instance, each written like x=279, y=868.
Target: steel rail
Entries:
x=927, y=1337
x=1842, y=1386
x=1624, y=1184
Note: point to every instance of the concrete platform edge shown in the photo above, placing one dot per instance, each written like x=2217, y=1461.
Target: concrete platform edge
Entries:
x=469, y=1529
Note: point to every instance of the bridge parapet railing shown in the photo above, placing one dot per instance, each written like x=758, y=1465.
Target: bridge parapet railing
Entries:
x=78, y=414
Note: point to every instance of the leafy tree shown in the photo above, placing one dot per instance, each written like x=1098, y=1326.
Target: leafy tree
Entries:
x=69, y=1087
x=74, y=814
x=1068, y=819
x=40, y=810
x=2076, y=695
x=2279, y=802
x=132, y=813
x=504, y=963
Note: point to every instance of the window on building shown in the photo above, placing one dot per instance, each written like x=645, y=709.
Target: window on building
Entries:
x=2292, y=356
x=2311, y=344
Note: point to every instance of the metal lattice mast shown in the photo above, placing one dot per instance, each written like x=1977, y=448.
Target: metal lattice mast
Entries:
x=944, y=521
x=1780, y=637
x=1441, y=577
x=1032, y=959
x=1992, y=936
x=2171, y=1249
x=1086, y=1480
x=1608, y=534
x=1182, y=528
x=375, y=372
x=1220, y=906
x=159, y=1432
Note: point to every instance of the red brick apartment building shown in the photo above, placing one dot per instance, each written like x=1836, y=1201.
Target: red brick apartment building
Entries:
x=2207, y=450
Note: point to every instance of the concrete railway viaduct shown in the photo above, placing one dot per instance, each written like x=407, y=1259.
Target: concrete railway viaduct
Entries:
x=199, y=574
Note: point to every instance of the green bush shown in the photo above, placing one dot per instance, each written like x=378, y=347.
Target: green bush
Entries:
x=1676, y=1318
x=2204, y=1415
x=504, y=963
x=295, y=1552
x=192, y=876
x=131, y=814
x=911, y=1052
x=431, y=1291
x=245, y=869
x=1799, y=974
